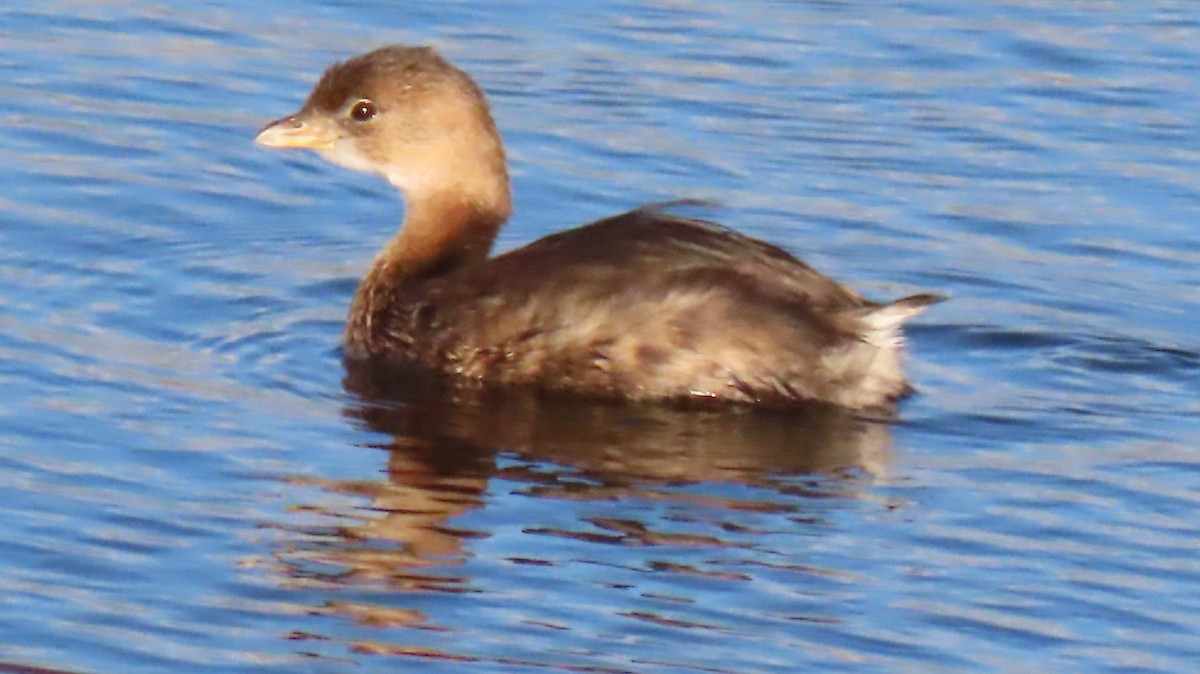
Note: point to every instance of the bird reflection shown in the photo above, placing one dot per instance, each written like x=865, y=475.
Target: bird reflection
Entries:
x=444, y=448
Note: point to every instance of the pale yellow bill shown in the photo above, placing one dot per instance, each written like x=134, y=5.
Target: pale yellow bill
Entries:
x=296, y=131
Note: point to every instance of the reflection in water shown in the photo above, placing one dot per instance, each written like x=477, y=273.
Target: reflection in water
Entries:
x=448, y=449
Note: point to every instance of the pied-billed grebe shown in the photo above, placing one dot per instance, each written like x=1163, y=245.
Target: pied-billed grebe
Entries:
x=645, y=305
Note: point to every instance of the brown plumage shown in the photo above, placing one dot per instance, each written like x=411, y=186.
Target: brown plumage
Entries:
x=645, y=305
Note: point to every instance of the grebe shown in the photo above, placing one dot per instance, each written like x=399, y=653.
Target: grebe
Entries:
x=645, y=305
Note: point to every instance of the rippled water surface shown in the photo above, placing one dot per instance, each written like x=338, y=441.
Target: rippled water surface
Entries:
x=186, y=485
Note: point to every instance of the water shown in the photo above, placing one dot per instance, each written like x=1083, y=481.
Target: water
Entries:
x=185, y=484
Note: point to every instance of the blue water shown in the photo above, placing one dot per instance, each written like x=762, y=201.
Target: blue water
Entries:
x=186, y=485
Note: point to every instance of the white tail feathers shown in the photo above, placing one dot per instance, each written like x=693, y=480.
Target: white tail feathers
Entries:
x=880, y=324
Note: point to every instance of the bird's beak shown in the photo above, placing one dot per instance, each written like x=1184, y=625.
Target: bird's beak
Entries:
x=298, y=130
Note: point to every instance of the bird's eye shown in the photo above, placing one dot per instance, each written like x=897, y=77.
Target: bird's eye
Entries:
x=363, y=111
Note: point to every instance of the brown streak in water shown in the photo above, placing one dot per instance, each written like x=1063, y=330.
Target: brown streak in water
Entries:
x=377, y=648
x=15, y=668
x=379, y=616
x=688, y=570
x=667, y=622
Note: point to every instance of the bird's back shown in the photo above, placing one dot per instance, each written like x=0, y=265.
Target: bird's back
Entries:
x=644, y=305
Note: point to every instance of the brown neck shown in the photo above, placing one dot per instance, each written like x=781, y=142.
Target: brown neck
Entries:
x=442, y=232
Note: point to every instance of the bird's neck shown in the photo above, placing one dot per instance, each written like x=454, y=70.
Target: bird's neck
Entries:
x=443, y=231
